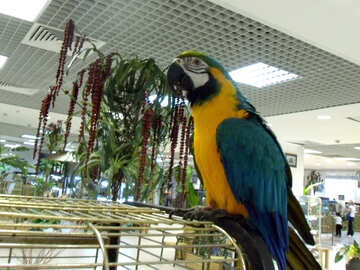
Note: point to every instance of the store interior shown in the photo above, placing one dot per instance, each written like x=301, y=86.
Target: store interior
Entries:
x=297, y=63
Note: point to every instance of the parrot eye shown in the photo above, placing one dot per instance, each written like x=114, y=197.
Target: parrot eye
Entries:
x=196, y=61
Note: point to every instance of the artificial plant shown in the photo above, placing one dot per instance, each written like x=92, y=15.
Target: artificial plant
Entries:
x=352, y=254
x=314, y=180
x=124, y=126
x=53, y=138
x=10, y=159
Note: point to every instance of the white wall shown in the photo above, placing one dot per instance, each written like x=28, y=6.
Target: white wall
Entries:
x=339, y=182
x=298, y=172
x=346, y=187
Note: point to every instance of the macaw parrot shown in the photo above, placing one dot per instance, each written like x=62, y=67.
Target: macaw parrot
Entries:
x=242, y=166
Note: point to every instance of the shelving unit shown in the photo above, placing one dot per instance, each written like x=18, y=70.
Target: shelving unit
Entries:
x=312, y=210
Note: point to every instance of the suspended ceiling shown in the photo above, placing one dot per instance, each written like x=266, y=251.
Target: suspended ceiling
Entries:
x=162, y=29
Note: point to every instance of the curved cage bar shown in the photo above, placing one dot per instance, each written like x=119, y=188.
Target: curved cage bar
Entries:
x=49, y=233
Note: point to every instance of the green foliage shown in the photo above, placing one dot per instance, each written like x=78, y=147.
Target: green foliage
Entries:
x=349, y=251
x=314, y=180
x=9, y=159
x=119, y=131
x=54, y=136
x=42, y=186
x=46, y=166
x=192, y=198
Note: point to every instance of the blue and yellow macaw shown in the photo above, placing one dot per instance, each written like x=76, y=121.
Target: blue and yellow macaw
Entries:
x=241, y=164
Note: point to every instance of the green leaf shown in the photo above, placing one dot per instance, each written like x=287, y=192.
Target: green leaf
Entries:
x=338, y=257
x=356, y=245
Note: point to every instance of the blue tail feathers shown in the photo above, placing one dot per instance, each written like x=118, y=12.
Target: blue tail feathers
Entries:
x=273, y=228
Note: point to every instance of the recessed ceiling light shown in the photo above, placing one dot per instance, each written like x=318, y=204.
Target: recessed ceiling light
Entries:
x=25, y=10
x=329, y=161
x=323, y=117
x=28, y=136
x=357, y=147
x=261, y=75
x=311, y=151
x=2, y=60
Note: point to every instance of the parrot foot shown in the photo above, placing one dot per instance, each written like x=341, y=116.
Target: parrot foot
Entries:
x=202, y=213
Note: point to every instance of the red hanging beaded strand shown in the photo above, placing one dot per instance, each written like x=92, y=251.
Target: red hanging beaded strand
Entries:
x=189, y=130
x=146, y=125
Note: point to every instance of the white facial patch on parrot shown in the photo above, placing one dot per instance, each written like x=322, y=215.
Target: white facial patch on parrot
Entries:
x=198, y=79
x=196, y=69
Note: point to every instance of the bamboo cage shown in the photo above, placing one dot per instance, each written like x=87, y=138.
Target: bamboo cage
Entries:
x=54, y=233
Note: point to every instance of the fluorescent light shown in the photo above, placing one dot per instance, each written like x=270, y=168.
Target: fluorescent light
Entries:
x=29, y=143
x=351, y=164
x=261, y=75
x=357, y=147
x=347, y=158
x=25, y=10
x=2, y=140
x=11, y=145
x=311, y=151
x=329, y=161
x=323, y=117
x=318, y=164
x=32, y=137
x=2, y=60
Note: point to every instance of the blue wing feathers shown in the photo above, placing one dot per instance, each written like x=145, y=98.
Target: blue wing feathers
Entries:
x=255, y=169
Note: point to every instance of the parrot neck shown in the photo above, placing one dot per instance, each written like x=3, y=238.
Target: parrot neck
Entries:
x=223, y=105
x=204, y=93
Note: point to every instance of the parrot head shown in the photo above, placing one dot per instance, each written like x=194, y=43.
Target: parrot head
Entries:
x=191, y=73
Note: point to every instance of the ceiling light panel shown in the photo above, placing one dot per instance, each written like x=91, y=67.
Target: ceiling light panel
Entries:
x=348, y=158
x=29, y=143
x=26, y=136
x=261, y=75
x=311, y=151
x=2, y=60
x=25, y=10
x=324, y=117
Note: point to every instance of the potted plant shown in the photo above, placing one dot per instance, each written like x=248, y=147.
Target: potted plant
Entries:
x=352, y=253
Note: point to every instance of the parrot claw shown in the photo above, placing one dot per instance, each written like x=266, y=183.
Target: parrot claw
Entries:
x=202, y=213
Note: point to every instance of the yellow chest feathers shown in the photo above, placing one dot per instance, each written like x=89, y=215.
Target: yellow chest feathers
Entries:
x=207, y=118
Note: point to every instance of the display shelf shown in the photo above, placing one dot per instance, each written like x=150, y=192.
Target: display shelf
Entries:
x=53, y=233
x=312, y=210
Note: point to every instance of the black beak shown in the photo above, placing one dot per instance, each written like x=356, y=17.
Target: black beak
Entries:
x=178, y=80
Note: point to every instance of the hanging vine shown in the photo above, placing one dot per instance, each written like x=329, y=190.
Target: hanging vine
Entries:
x=122, y=120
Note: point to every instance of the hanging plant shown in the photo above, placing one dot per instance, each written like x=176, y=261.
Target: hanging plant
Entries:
x=123, y=124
